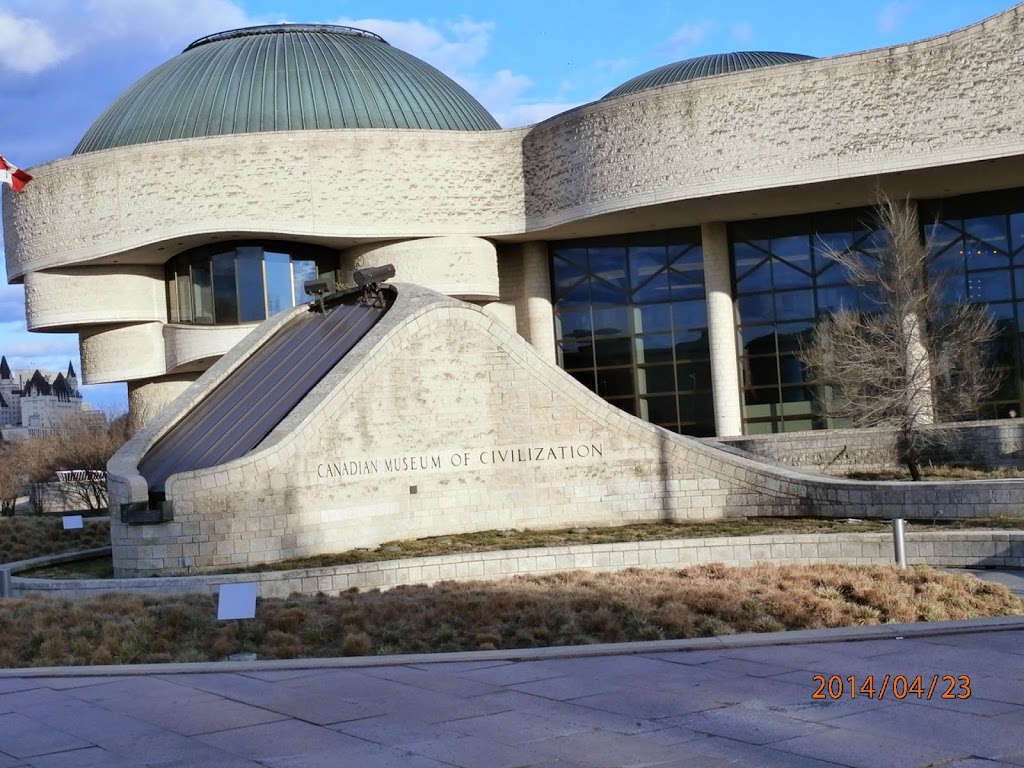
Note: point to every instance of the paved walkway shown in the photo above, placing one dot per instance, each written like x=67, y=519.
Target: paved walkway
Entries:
x=720, y=702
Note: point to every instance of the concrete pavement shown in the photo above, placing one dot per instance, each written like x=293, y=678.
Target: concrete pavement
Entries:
x=716, y=702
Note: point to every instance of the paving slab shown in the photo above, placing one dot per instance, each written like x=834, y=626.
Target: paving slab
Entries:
x=707, y=704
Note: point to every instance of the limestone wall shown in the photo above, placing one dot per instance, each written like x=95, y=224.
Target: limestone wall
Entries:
x=959, y=549
x=443, y=420
x=859, y=115
x=995, y=444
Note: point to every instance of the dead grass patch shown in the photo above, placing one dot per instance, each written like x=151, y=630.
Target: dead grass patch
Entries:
x=22, y=538
x=938, y=472
x=573, y=608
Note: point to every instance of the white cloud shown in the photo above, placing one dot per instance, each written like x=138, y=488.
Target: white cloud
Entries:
x=27, y=46
x=164, y=22
x=689, y=36
x=503, y=87
x=459, y=48
x=518, y=115
x=47, y=33
x=892, y=16
x=454, y=47
x=742, y=31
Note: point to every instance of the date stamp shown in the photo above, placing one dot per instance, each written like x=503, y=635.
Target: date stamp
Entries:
x=898, y=687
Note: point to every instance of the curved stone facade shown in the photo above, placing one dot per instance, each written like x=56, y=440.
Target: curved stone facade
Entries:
x=65, y=300
x=451, y=207
x=463, y=267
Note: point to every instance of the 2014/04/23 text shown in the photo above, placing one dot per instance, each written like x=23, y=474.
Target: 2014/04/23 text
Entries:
x=898, y=686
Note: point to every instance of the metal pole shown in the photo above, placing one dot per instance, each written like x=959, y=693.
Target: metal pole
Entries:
x=899, y=542
x=5, y=582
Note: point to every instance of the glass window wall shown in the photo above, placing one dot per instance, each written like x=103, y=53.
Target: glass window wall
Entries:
x=631, y=324
x=977, y=249
x=783, y=280
x=233, y=283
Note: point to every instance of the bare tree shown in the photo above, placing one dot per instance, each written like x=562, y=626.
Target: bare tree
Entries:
x=11, y=482
x=78, y=452
x=66, y=466
x=911, y=359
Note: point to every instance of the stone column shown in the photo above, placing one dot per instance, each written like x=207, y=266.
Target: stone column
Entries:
x=538, y=325
x=146, y=398
x=721, y=330
x=510, y=277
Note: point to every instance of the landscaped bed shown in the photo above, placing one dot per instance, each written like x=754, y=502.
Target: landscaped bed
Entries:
x=561, y=609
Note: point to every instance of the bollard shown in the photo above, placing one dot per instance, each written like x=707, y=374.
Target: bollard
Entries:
x=899, y=542
x=5, y=582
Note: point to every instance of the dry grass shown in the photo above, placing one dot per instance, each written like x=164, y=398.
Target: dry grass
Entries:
x=489, y=541
x=562, y=609
x=486, y=541
x=937, y=472
x=22, y=538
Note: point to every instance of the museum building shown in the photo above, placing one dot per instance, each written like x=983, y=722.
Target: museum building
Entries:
x=665, y=245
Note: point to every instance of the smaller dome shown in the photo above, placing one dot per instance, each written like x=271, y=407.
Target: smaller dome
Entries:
x=705, y=66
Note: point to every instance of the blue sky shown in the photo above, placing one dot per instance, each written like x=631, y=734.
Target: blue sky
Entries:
x=63, y=61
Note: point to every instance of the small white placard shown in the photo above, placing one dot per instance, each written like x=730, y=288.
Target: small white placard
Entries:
x=236, y=601
x=72, y=521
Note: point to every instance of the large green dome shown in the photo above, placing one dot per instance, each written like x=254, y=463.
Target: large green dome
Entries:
x=705, y=66
x=285, y=77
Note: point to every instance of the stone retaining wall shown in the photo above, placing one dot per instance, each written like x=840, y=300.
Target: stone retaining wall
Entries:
x=993, y=444
x=998, y=549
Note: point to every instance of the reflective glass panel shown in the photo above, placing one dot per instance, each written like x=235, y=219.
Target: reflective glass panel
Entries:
x=794, y=305
x=301, y=272
x=279, y=282
x=225, y=291
x=613, y=351
x=661, y=410
x=989, y=286
x=654, y=348
x=609, y=264
x=614, y=382
x=252, y=303
x=654, y=290
x=644, y=263
x=654, y=318
x=690, y=314
x=573, y=324
x=184, y=290
x=756, y=308
x=202, y=294
x=658, y=378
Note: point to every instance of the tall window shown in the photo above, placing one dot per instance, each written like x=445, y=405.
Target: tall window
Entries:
x=783, y=281
x=230, y=283
x=977, y=245
x=631, y=324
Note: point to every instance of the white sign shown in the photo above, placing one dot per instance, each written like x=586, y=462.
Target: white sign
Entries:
x=72, y=521
x=236, y=601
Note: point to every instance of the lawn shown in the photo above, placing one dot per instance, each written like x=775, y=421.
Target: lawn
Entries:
x=562, y=609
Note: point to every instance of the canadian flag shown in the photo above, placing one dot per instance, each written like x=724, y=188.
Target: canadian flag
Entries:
x=13, y=175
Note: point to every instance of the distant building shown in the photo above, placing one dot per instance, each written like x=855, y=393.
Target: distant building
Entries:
x=35, y=402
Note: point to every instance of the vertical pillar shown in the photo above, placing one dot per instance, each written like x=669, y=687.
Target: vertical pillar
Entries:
x=721, y=330
x=538, y=326
x=510, y=277
x=147, y=397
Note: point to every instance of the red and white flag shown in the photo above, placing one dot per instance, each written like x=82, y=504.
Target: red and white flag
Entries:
x=13, y=175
